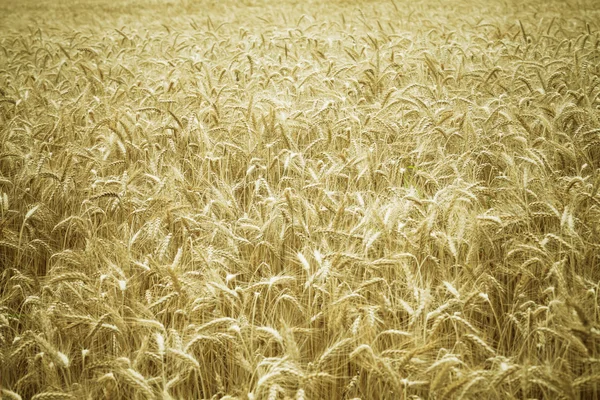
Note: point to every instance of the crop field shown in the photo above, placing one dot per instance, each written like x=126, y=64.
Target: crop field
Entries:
x=265, y=199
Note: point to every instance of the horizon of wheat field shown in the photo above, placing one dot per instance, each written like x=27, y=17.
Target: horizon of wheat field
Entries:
x=299, y=200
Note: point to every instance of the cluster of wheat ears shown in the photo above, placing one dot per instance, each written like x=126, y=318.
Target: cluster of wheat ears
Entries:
x=308, y=201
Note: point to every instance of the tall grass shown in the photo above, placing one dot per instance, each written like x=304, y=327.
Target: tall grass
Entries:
x=314, y=201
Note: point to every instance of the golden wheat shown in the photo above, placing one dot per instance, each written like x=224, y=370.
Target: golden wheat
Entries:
x=335, y=199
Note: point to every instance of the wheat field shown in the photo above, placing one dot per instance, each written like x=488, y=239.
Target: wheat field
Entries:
x=299, y=200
